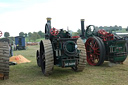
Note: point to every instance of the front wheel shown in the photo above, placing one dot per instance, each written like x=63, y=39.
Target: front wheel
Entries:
x=95, y=50
x=38, y=58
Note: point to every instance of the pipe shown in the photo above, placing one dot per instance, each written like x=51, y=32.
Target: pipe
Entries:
x=82, y=29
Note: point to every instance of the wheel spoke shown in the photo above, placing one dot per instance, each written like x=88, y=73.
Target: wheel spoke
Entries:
x=97, y=53
x=96, y=57
x=89, y=45
x=95, y=44
x=96, y=48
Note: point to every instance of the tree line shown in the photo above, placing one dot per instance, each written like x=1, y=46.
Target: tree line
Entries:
x=31, y=36
x=37, y=35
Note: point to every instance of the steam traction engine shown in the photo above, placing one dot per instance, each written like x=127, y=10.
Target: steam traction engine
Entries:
x=103, y=46
x=60, y=49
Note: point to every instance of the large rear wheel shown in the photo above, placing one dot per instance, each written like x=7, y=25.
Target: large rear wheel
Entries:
x=82, y=56
x=4, y=60
x=46, y=57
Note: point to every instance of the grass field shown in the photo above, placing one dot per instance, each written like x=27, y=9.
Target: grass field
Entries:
x=30, y=74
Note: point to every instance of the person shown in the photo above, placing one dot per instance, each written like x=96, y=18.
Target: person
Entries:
x=10, y=50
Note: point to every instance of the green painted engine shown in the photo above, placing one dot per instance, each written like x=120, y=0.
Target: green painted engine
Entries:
x=103, y=45
x=60, y=49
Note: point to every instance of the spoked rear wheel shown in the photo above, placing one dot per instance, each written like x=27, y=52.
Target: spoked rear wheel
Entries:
x=95, y=50
x=46, y=57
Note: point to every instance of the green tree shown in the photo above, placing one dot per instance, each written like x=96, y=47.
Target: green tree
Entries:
x=21, y=34
x=41, y=34
x=34, y=36
x=6, y=34
x=25, y=34
x=29, y=34
x=37, y=35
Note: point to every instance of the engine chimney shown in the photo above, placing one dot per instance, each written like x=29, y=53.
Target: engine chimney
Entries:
x=82, y=29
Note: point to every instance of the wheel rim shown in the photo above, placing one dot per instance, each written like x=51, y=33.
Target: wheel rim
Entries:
x=93, y=51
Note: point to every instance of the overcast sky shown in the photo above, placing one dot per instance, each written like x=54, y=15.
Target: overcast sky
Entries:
x=30, y=15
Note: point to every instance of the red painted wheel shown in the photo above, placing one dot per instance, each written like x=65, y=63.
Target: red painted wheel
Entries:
x=95, y=51
x=54, y=31
x=0, y=33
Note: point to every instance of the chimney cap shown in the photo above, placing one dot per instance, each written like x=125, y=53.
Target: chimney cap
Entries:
x=82, y=19
x=48, y=18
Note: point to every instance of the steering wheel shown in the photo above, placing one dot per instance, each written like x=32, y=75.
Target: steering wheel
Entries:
x=90, y=29
x=54, y=31
x=47, y=30
x=0, y=33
